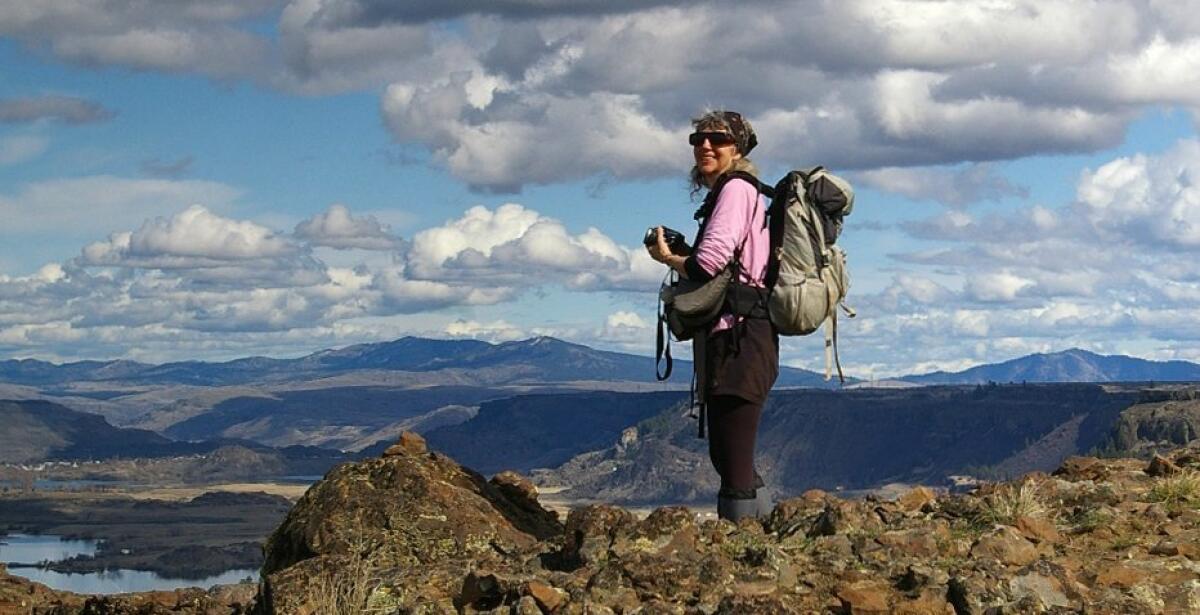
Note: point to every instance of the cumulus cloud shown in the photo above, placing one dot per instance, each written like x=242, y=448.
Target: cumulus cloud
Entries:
x=194, y=237
x=337, y=228
x=513, y=243
x=542, y=139
x=184, y=36
x=1154, y=199
x=526, y=92
x=494, y=331
x=911, y=93
x=209, y=279
x=69, y=109
x=1107, y=271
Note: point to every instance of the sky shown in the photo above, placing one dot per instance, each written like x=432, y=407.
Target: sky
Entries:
x=213, y=179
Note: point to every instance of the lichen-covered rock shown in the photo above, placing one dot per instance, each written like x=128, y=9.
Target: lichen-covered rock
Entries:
x=410, y=513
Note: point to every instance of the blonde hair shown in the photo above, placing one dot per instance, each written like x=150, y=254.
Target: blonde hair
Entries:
x=715, y=121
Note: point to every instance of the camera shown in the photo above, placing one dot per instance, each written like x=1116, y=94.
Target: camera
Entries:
x=676, y=242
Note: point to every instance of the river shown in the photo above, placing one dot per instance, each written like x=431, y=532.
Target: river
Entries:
x=35, y=549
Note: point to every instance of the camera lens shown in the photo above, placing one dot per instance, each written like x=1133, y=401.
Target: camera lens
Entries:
x=651, y=236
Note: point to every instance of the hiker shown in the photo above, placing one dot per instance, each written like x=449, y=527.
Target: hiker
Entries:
x=737, y=358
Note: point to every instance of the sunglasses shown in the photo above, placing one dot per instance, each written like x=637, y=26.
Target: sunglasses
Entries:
x=716, y=139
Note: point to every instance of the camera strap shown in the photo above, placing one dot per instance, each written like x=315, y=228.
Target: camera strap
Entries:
x=662, y=347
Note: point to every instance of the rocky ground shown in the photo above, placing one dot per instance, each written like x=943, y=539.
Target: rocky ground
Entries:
x=414, y=532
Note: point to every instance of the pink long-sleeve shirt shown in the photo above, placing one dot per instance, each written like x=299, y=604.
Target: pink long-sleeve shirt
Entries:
x=740, y=212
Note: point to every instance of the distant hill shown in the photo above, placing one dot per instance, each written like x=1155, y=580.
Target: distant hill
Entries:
x=1074, y=365
x=858, y=439
x=34, y=430
x=532, y=361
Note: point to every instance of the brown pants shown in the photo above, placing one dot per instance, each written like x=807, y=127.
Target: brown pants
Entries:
x=740, y=377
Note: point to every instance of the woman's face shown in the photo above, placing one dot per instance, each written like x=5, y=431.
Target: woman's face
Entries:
x=712, y=159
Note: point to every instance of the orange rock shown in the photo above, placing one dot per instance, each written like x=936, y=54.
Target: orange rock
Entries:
x=865, y=597
x=410, y=443
x=547, y=597
x=931, y=602
x=1038, y=530
x=1120, y=576
x=1006, y=546
x=916, y=499
x=814, y=495
x=914, y=543
x=1189, y=550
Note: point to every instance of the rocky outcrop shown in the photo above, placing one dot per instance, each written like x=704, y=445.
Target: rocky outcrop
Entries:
x=21, y=597
x=413, y=532
x=399, y=530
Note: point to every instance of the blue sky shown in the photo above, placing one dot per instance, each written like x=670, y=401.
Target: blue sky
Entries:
x=225, y=178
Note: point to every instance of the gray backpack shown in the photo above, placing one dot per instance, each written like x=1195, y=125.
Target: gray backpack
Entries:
x=807, y=274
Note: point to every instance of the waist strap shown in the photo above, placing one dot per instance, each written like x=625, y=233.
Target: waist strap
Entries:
x=746, y=301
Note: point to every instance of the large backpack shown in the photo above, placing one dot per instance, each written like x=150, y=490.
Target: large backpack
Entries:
x=807, y=280
x=807, y=274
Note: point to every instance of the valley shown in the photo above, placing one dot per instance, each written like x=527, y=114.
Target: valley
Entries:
x=186, y=468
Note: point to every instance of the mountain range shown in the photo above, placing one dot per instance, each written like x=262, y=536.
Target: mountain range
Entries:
x=536, y=360
x=1073, y=365
x=540, y=360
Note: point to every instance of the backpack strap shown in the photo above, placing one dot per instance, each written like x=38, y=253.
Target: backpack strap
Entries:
x=831, y=353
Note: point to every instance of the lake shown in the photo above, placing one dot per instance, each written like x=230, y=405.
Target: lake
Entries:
x=34, y=549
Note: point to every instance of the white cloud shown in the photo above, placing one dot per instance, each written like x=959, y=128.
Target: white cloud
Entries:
x=212, y=281
x=625, y=319
x=192, y=238
x=514, y=93
x=337, y=228
x=1110, y=270
x=1152, y=199
x=495, y=331
x=513, y=245
x=203, y=37
x=998, y=286
x=537, y=138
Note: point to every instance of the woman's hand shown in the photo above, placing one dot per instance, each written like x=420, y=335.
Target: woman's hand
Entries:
x=661, y=252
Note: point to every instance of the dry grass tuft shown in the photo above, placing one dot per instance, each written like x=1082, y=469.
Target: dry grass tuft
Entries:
x=346, y=589
x=1012, y=501
x=1178, y=490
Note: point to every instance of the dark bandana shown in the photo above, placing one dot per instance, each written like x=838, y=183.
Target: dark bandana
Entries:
x=742, y=132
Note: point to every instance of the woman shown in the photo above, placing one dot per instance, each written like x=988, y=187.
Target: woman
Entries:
x=737, y=361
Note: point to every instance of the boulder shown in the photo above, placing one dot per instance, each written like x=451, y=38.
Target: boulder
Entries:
x=411, y=515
